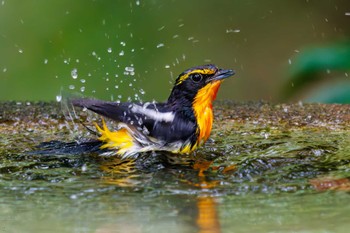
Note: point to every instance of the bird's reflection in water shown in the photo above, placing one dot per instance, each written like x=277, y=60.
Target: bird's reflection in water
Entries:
x=205, y=214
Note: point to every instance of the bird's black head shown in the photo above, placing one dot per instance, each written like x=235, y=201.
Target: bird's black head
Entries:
x=197, y=80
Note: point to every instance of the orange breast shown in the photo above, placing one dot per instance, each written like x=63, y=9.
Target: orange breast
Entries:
x=203, y=109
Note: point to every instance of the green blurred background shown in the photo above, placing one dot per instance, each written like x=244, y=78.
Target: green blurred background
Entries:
x=286, y=50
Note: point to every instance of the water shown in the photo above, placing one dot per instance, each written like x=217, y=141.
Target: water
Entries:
x=265, y=170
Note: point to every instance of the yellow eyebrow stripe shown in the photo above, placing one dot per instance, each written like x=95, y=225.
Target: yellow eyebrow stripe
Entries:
x=199, y=71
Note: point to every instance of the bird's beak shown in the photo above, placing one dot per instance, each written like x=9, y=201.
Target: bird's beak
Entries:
x=221, y=74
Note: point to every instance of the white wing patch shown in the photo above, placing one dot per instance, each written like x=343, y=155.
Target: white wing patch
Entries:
x=153, y=114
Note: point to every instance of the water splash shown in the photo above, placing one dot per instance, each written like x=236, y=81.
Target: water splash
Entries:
x=58, y=98
x=74, y=73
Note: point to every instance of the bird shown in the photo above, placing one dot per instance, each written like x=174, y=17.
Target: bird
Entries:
x=179, y=125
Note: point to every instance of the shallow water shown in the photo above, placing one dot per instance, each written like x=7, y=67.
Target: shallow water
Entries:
x=268, y=172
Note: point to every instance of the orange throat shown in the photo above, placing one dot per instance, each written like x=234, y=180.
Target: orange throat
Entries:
x=203, y=110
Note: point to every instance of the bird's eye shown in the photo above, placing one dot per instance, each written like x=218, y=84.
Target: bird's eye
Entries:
x=196, y=77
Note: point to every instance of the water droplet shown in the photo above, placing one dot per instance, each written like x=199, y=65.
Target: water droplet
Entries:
x=4, y=70
x=160, y=45
x=82, y=89
x=82, y=80
x=317, y=152
x=142, y=91
x=46, y=61
x=266, y=135
x=137, y=2
x=347, y=13
x=167, y=66
x=72, y=87
x=129, y=69
x=58, y=98
x=20, y=50
x=161, y=28
x=109, y=50
x=289, y=61
x=84, y=168
x=232, y=30
x=116, y=86
x=77, y=60
x=123, y=43
x=74, y=73
x=130, y=84
x=121, y=53
x=119, y=96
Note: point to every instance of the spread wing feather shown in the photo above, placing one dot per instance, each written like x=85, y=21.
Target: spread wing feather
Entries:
x=113, y=110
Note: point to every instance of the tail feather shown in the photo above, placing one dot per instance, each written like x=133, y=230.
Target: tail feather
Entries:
x=68, y=148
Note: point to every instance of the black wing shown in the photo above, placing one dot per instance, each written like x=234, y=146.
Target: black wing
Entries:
x=157, y=118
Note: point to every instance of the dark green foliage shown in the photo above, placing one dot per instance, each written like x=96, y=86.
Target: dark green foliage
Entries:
x=324, y=64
